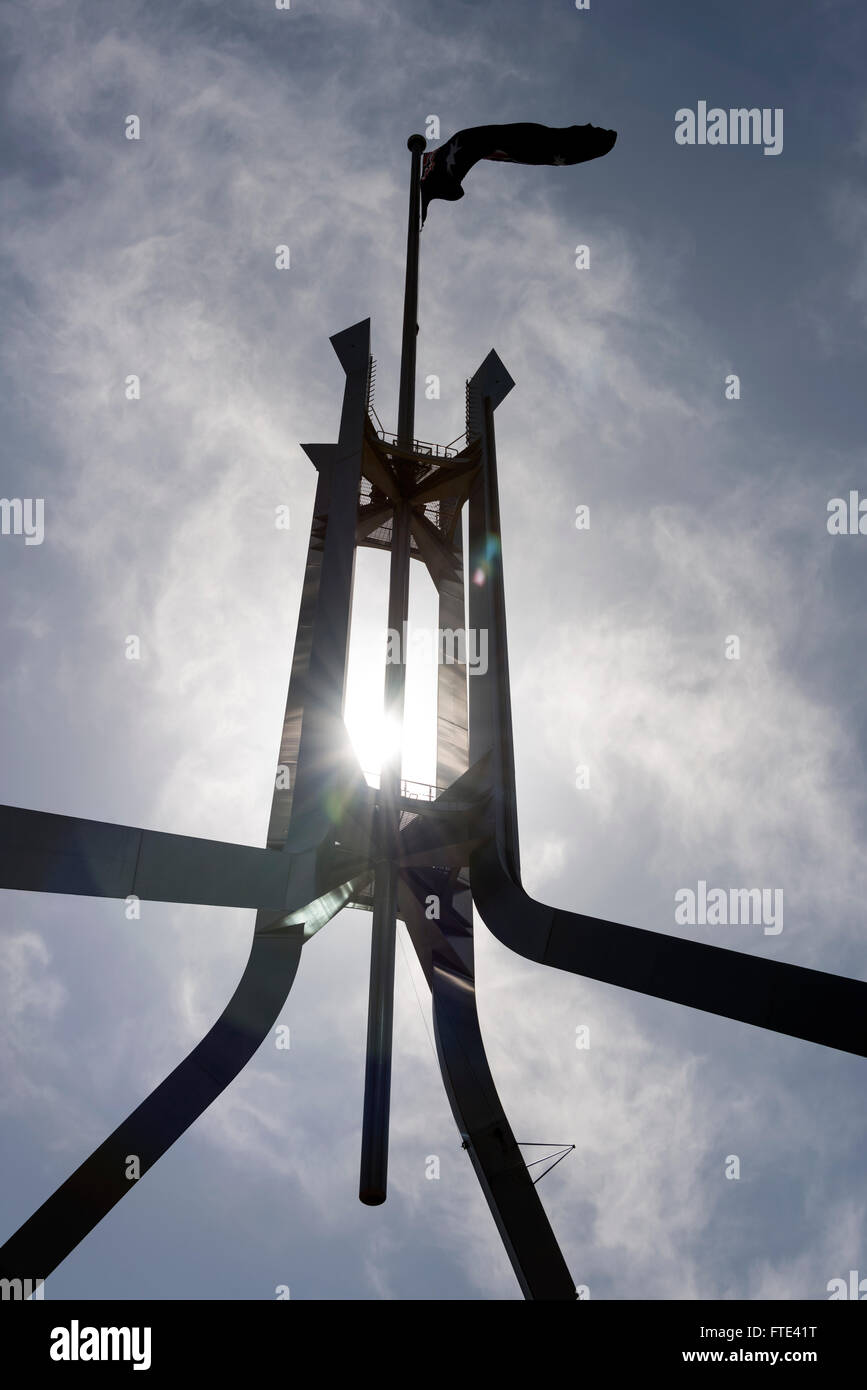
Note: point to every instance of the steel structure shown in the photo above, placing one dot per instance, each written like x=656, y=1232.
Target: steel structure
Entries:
x=334, y=841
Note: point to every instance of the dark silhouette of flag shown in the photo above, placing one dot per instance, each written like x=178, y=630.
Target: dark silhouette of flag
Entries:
x=523, y=143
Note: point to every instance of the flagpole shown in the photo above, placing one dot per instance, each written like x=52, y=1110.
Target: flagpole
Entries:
x=406, y=400
x=380, y=1008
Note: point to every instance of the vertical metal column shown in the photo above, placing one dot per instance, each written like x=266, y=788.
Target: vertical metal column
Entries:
x=327, y=774
x=380, y=1014
x=452, y=715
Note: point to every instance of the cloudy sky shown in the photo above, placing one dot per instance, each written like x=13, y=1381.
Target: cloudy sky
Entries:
x=156, y=257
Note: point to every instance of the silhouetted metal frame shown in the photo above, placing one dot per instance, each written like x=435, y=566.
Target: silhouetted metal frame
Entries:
x=296, y=889
x=822, y=1008
x=324, y=827
x=44, y=852
x=445, y=952
x=443, y=836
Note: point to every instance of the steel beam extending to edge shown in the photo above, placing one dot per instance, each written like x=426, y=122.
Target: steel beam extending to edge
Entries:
x=822, y=1008
x=45, y=853
x=444, y=947
x=100, y=1182
x=62, y=854
x=445, y=952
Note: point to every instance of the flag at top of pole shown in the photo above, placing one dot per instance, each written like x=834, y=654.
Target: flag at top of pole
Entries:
x=521, y=143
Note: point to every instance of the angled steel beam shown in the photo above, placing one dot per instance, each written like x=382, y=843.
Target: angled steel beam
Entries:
x=810, y=1004
x=436, y=906
x=445, y=951
x=329, y=787
x=434, y=550
x=370, y=518
x=325, y=804
x=101, y=1181
x=447, y=482
x=44, y=853
x=377, y=471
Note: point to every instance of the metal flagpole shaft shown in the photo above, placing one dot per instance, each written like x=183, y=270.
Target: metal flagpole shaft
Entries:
x=406, y=400
x=380, y=1008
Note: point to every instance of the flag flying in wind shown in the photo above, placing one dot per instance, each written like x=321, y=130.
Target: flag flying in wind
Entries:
x=523, y=143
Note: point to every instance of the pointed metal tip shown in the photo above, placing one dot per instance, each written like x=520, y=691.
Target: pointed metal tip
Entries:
x=492, y=379
x=353, y=345
x=319, y=454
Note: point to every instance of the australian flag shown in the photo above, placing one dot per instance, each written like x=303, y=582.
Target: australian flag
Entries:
x=523, y=143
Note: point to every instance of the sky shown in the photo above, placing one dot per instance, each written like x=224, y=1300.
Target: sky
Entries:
x=262, y=127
